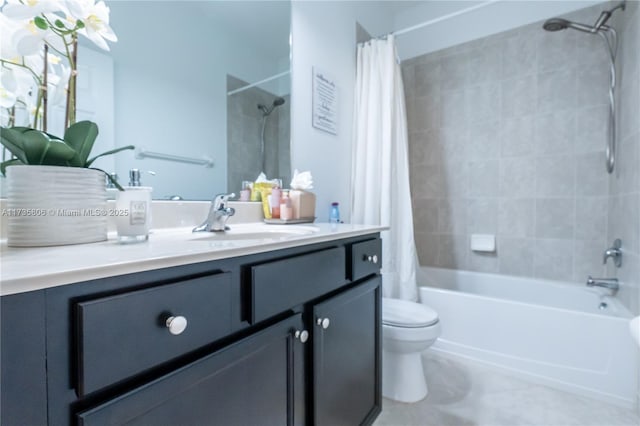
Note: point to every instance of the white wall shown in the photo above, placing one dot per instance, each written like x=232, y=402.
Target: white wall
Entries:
x=324, y=35
x=492, y=19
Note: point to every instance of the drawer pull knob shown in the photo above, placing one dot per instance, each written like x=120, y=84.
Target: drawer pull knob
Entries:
x=176, y=325
x=303, y=335
x=323, y=322
x=370, y=258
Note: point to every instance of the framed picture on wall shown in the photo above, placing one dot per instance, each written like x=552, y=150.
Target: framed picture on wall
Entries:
x=325, y=102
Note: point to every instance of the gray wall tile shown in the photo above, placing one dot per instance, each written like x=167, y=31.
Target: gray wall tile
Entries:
x=507, y=136
x=452, y=251
x=517, y=177
x=555, y=134
x=482, y=216
x=591, y=220
x=516, y=217
x=517, y=137
x=553, y=259
x=557, y=90
x=587, y=261
x=484, y=178
x=555, y=218
x=518, y=95
x=591, y=178
x=516, y=256
x=591, y=134
x=555, y=176
x=483, y=140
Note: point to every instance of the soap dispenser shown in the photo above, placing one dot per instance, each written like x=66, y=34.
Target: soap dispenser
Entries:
x=134, y=208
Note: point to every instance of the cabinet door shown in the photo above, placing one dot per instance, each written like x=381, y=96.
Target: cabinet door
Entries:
x=257, y=381
x=347, y=357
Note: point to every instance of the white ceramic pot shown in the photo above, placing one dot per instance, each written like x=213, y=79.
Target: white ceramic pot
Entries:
x=53, y=205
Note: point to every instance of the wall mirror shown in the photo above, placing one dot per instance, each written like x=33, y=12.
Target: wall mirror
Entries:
x=202, y=89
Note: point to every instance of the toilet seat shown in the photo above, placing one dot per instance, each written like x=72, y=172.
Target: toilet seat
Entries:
x=406, y=314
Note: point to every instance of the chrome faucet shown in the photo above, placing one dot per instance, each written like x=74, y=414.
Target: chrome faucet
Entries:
x=610, y=283
x=219, y=213
x=615, y=253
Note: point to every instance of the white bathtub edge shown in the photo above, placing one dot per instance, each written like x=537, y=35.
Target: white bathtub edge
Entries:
x=545, y=381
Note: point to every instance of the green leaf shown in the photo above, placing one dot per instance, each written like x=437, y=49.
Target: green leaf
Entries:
x=81, y=136
x=35, y=145
x=58, y=23
x=5, y=164
x=12, y=140
x=58, y=154
x=113, y=151
x=79, y=24
x=40, y=23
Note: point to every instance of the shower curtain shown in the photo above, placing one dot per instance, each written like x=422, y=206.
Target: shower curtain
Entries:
x=380, y=168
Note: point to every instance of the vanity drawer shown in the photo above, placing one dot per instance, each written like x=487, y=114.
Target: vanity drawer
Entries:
x=280, y=285
x=366, y=258
x=119, y=336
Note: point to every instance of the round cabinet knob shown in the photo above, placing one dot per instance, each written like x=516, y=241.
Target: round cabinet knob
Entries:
x=176, y=325
x=302, y=335
x=370, y=258
x=323, y=322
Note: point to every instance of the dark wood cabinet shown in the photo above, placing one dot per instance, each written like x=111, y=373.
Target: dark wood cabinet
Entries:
x=346, y=357
x=251, y=382
x=285, y=337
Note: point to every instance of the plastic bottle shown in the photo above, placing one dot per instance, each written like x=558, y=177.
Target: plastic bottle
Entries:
x=286, y=208
x=276, y=198
x=334, y=213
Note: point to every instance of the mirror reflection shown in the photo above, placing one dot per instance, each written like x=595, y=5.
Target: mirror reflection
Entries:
x=202, y=90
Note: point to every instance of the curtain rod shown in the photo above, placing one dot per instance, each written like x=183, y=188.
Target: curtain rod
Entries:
x=442, y=18
x=257, y=83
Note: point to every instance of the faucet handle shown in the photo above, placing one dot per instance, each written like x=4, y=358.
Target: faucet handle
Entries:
x=615, y=252
x=220, y=200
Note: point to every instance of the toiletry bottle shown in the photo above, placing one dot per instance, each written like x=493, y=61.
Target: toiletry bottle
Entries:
x=276, y=198
x=112, y=191
x=135, y=204
x=245, y=192
x=286, y=207
x=334, y=213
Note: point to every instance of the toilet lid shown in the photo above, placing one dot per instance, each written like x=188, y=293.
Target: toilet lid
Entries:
x=402, y=313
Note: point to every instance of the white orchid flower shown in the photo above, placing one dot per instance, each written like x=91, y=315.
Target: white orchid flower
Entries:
x=95, y=17
x=27, y=9
x=16, y=83
x=57, y=83
x=7, y=98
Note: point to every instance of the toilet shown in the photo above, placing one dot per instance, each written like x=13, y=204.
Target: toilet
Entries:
x=408, y=328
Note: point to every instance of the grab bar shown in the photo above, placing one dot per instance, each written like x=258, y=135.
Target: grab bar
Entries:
x=204, y=161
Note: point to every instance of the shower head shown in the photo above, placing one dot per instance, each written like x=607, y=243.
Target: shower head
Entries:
x=555, y=24
x=558, y=24
x=266, y=110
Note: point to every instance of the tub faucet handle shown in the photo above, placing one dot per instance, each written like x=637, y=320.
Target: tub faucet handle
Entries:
x=614, y=252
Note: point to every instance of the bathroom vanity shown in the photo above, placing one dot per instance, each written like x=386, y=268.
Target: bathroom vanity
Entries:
x=277, y=332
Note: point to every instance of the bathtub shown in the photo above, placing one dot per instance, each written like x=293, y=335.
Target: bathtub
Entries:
x=553, y=333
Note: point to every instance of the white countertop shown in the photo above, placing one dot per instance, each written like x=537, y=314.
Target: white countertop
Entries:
x=28, y=269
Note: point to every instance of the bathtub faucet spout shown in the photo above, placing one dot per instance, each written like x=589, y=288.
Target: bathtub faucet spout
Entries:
x=610, y=283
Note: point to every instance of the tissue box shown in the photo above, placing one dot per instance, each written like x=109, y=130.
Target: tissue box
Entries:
x=303, y=203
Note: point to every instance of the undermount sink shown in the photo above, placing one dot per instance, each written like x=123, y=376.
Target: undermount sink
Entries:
x=256, y=232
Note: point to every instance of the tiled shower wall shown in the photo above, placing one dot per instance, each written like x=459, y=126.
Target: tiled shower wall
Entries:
x=624, y=185
x=244, y=125
x=507, y=137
